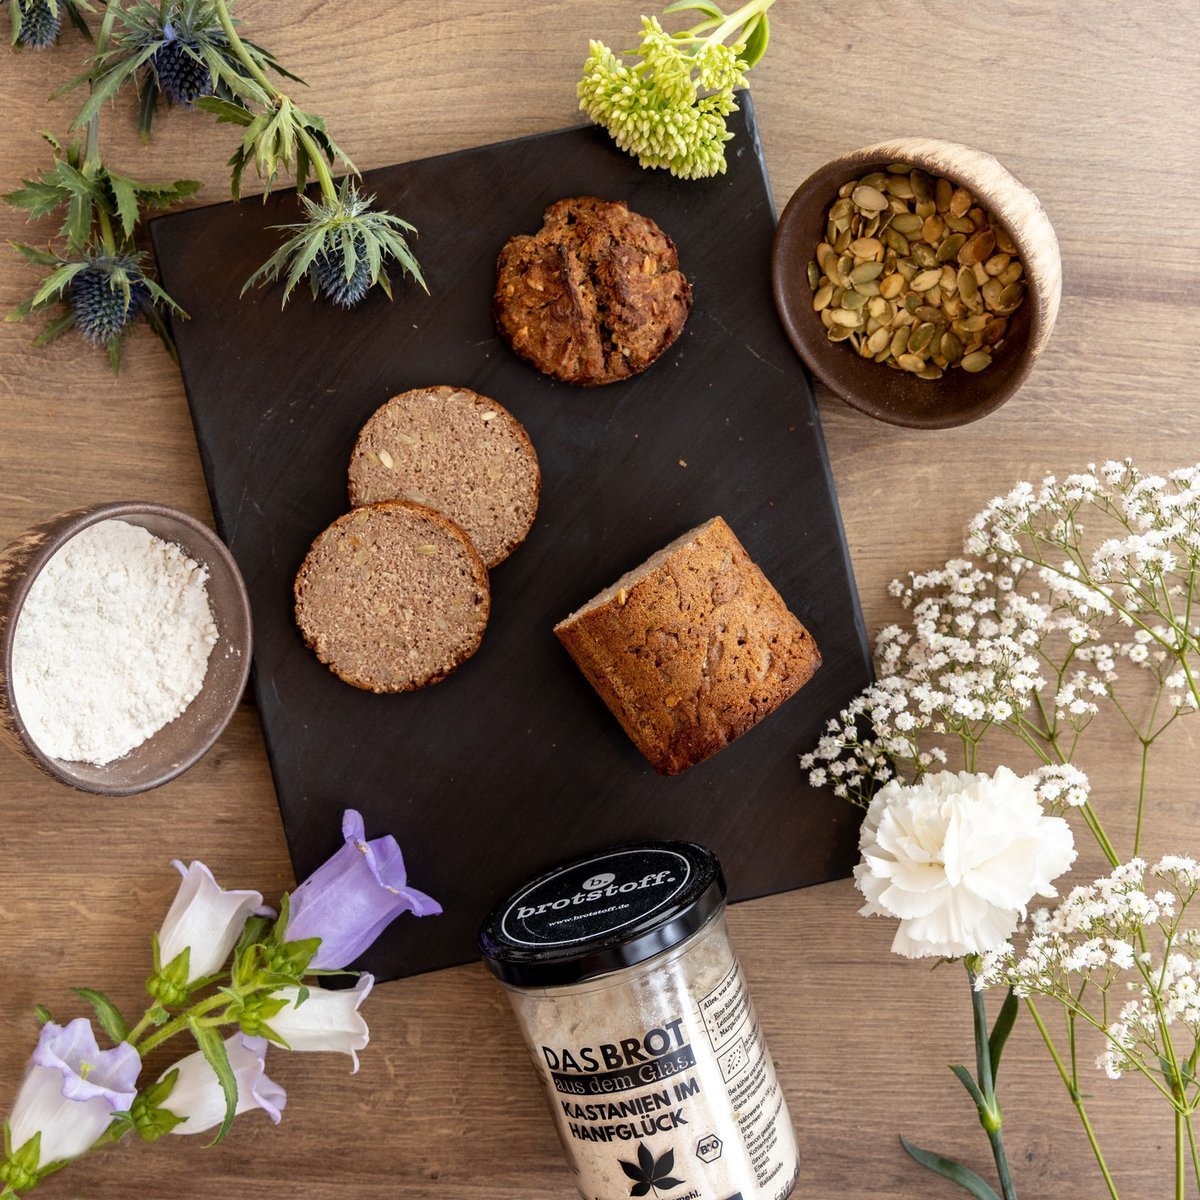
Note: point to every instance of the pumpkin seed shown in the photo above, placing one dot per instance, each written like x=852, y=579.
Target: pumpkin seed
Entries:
x=869, y=198
x=865, y=271
x=914, y=274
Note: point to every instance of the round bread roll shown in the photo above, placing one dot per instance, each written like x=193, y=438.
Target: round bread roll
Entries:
x=455, y=451
x=595, y=296
x=392, y=597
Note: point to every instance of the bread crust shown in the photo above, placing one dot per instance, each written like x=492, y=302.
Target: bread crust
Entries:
x=693, y=654
x=595, y=296
x=370, y=482
x=318, y=565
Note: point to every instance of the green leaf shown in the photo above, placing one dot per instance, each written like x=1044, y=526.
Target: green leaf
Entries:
x=37, y=197
x=125, y=200
x=148, y=1114
x=56, y=282
x=147, y=107
x=226, y=111
x=107, y=1014
x=1005, y=1020
x=947, y=1168
x=43, y=1014
x=213, y=1048
x=968, y=1081
x=39, y=258
x=758, y=35
x=56, y=328
x=702, y=6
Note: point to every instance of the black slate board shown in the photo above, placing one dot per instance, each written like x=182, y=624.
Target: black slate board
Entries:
x=513, y=763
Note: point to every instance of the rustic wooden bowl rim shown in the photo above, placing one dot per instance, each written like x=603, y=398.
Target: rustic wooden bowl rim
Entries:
x=69, y=525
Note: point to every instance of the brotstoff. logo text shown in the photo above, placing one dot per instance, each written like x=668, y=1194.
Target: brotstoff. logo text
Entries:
x=596, y=894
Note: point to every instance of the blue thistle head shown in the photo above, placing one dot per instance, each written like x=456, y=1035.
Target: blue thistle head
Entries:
x=329, y=268
x=182, y=75
x=101, y=305
x=40, y=24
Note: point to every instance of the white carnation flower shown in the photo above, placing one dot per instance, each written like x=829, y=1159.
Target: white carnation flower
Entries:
x=957, y=859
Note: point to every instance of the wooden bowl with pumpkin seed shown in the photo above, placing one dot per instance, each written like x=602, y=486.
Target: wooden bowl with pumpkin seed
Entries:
x=918, y=279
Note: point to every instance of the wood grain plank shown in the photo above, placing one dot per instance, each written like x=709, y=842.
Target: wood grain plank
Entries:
x=1093, y=107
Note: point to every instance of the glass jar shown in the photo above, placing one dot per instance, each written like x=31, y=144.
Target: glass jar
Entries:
x=635, y=1011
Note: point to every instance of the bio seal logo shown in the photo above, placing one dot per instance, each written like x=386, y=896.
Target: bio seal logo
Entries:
x=597, y=897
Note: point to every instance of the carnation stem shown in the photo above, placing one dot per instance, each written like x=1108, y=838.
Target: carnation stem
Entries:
x=989, y=1112
x=1076, y=1098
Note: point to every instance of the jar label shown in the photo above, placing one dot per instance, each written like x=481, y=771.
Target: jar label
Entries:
x=688, y=1109
x=596, y=898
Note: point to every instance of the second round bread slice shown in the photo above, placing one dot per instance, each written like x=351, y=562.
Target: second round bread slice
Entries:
x=392, y=597
x=455, y=451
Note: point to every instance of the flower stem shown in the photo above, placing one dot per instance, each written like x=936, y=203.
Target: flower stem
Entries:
x=1141, y=806
x=1180, y=1179
x=180, y=1023
x=1076, y=1098
x=989, y=1114
x=243, y=55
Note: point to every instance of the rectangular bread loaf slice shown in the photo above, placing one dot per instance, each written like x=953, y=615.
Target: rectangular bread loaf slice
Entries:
x=691, y=649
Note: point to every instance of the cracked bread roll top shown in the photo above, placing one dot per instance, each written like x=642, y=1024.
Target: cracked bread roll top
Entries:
x=595, y=296
x=392, y=597
x=455, y=451
x=691, y=649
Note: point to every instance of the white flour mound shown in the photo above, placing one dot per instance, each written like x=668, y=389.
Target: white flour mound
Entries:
x=112, y=643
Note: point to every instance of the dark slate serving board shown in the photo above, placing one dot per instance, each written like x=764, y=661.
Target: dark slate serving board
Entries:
x=513, y=764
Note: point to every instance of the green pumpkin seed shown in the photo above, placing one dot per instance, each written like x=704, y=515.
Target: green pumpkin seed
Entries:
x=949, y=248
x=879, y=340
x=922, y=186
x=814, y=276
x=865, y=271
x=910, y=362
x=854, y=301
x=925, y=280
x=844, y=317
x=869, y=198
x=951, y=347
x=822, y=297
x=907, y=223
x=977, y=360
x=899, y=342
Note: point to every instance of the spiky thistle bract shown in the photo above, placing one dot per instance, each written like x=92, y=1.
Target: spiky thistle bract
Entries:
x=38, y=23
x=100, y=294
x=669, y=107
x=176, y=50
x=342, y=247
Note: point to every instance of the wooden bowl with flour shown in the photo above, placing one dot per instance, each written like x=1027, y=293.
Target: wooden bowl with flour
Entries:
x=896, y=396
x=183, y=740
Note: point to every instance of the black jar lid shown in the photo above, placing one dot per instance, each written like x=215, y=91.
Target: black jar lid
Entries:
x=609, y=910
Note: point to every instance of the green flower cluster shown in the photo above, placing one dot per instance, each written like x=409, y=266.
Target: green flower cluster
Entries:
x=668, y=109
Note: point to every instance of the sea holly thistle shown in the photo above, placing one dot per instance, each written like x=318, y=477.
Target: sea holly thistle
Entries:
x=38, y=23
x=669, y=107
x=650, y=1174
x=175, y=50
x=342, y=247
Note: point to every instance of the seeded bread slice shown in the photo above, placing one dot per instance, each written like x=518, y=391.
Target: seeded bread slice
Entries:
x=691, y=649
x=392, y=597
x=457, y=452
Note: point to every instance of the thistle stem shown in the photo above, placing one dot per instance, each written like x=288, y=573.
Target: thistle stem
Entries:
x=1076, y=1098
x=314, y=152
x=239, y=48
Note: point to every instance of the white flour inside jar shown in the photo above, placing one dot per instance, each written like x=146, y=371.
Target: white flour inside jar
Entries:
x=112, y=643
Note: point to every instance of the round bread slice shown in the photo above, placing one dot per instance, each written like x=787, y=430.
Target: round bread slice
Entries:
x=595, y=296
x=455, y=451
x=392, y=597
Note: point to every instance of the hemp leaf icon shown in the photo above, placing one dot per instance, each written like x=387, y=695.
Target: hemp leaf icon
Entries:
x=650, y=1174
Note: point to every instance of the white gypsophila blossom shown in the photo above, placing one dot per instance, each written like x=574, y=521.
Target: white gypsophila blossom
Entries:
x=957, y=858
x=1061, y=786
x=1067, y=581
x=1095, y=939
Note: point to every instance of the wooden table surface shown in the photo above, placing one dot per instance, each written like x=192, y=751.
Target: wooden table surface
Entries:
x=1094, y=107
